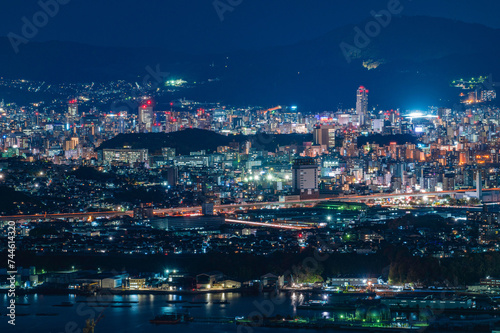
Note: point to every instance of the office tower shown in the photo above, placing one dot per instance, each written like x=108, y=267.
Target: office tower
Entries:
x=146, y=117
x=124, y=155
x=324, y=135
x=172, y=176
x=305, y=178
x=362, y=105
x=72, y=109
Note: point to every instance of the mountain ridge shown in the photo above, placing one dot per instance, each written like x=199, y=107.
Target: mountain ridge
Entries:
x=409, y=57
x=193, y=139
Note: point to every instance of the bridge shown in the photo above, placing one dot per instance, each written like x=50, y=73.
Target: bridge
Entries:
x=80, y=215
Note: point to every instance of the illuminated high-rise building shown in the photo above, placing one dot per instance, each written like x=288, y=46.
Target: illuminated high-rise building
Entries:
x=305, y=178
x=146, y=117
x=362, y=105
x=124, y=155
x=324, y=135
x=72, y=109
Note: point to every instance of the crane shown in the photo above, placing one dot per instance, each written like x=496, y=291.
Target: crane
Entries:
x=90, y=323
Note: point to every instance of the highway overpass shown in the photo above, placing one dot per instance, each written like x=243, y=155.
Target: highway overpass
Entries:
x=235, y=207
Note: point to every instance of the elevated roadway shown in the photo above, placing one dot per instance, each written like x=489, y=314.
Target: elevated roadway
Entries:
x=235, y=207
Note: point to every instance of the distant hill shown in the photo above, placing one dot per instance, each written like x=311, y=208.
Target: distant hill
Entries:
x=192, y=140
x=413, y=60
x=385, y=140
x=417, y=58
x=74, y=62
x=12, y=202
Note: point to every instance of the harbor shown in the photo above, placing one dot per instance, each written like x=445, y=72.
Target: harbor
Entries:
x=303, y=311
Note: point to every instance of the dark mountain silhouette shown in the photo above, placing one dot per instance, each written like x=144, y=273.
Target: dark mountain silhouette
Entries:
x=413, y=60
x=73, y=62
x=385, y=140
x=192, y=140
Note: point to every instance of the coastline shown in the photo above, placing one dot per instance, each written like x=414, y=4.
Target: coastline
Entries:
x=50, y=291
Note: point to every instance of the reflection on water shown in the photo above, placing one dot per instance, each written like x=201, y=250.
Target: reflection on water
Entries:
x=132, y=313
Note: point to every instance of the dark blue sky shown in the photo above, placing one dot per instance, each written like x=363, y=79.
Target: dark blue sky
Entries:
x=194, y=25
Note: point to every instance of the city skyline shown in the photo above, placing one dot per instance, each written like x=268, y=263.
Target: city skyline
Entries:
x=233, y=166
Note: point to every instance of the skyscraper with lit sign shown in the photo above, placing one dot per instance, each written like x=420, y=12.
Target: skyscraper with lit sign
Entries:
x=146, y=117
x=362, y=105
x=72, y=109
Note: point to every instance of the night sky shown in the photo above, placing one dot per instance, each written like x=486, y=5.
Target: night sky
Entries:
x=194, y=25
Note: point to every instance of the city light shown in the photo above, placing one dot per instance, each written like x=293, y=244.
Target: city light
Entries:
x=361, y=184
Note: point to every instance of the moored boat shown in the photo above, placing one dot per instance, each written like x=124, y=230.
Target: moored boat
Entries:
x=170, y=319
x=64, y=304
